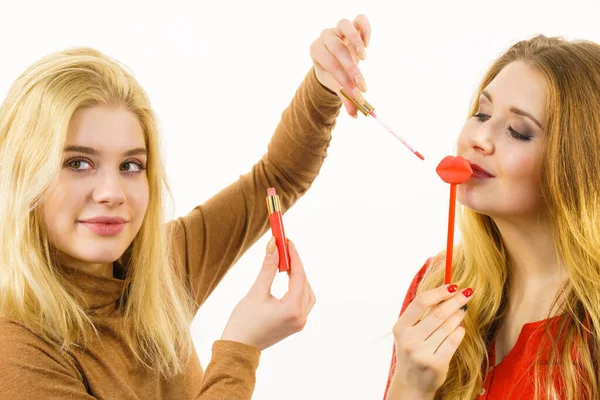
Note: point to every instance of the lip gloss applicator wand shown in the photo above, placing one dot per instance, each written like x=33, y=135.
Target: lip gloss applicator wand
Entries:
x=367, y=110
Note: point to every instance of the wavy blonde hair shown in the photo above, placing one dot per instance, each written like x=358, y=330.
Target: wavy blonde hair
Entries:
x=571, y=193
x=33, y=125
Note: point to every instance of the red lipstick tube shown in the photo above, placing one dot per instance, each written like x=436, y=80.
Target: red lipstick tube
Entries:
x=274, y=207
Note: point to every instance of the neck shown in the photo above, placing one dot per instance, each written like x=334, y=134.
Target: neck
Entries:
x=536, y=272
x=99, y=269
x=104, y=270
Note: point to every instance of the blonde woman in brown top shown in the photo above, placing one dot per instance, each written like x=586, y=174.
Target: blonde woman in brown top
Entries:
x=96, y=291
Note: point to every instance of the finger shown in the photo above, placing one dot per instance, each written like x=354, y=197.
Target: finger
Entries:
x=346, y=30
x=297, y=280
x=311, y=299
x=352, y=110
x=351, y=78
x=362, y=24
x=449, y=346
x=306, y=298
x=355, y=58
x=424, y=301
x=434, y=341
x=350, y=107
x=267, y=272
x=441, y=313
x=328, y=62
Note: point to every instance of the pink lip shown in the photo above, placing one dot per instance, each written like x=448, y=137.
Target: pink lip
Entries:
x=104, y=229
x=105, y=220
x=479, y=172
x=105, y=226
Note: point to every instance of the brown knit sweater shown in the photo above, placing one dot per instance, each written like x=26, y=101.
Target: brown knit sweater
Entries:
x=208, y=241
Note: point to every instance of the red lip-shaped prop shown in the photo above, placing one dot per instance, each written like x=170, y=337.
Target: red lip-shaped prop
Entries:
x=454, y=170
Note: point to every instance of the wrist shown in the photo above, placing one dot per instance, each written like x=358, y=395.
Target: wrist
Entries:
x=231, y=336
x=399, y=391
x=237, y=336
x=325, y=91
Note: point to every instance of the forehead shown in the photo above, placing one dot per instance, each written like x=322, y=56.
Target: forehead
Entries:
x=518, y=85
x=105, y=127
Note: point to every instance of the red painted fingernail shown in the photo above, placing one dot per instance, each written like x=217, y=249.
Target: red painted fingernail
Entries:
x=468, y=292
x=452, y=288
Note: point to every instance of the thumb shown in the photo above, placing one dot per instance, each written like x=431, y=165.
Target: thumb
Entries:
x=352, y=110
x=297, y=282
x=267, y=273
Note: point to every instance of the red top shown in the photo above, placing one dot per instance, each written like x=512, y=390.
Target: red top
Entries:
x=513, y=377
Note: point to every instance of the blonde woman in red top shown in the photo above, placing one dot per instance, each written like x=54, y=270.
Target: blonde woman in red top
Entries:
x=528, y=266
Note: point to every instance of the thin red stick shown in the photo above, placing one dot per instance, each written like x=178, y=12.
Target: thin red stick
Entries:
x=450, y=241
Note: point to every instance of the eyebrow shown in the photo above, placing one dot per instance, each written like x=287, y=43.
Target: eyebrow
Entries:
x=92, y=151
x=514, y=109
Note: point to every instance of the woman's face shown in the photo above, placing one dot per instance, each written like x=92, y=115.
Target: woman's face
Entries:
x=103, y=176
x=503, y=143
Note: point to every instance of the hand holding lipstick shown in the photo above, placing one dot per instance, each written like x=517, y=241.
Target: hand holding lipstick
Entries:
x=336, y=54
x=260, y=319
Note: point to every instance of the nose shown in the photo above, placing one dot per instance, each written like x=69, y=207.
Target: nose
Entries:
x=109, y=189
x=481, y=139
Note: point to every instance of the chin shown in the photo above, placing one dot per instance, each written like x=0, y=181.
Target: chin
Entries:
x=475, y=200
x=96, y=258
x=95, y=253
x=477, y=207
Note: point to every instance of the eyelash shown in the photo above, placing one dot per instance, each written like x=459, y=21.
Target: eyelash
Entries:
x=516, y=135
x=141, y=165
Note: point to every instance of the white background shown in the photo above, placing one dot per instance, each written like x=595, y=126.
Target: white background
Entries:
x=219, y=75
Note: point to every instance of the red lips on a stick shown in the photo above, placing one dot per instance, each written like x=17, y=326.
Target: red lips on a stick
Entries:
x=452, y=170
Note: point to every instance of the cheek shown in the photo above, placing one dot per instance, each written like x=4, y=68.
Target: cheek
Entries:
x=138, y=197
x=59, y=210
x=523, y=168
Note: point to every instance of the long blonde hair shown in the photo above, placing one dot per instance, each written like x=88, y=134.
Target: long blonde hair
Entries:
x=33, y=125
x=571, y=192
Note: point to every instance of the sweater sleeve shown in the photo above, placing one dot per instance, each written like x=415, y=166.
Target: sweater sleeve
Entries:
x=410, y=296
x=213, y=236
x=231, y=373
x=31, y=368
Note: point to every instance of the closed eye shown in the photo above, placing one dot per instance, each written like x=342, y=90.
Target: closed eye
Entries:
x=513, y=133
x=481, y=117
